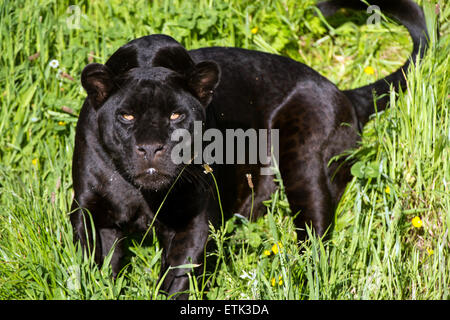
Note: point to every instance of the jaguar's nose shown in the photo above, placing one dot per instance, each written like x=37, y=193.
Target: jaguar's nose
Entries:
x=150, y=150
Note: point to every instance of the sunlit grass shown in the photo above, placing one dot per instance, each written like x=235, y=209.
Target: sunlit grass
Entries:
x=378, y=250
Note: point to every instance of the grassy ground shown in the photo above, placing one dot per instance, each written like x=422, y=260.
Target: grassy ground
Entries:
x=391, y=238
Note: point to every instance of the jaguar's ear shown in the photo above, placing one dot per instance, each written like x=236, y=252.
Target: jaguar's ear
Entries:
x=203, y=80
x=98, y=82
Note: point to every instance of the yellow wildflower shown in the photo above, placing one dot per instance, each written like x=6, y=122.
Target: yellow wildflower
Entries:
x=267, y=252
x=369, y=70
x=254, y=30
x=387, y=190
x=61, y=123
x=277, y=247
x=274, y=281
x=34, y=161
x=417, y=222
x=430, y=251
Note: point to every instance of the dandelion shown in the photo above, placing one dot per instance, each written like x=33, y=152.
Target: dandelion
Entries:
x=249, y=180
x=54, y=64
x=207, y=168
x=417, y=222
x=387, y=190
x=254, y=30
x=277, y=248
x=369, y=70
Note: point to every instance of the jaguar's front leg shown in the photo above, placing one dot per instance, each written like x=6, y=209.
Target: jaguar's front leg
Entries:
x=180, y=247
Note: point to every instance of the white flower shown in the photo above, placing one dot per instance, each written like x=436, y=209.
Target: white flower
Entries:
x=54, y=64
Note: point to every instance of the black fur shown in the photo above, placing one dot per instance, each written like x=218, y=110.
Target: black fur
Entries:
x=122, y=168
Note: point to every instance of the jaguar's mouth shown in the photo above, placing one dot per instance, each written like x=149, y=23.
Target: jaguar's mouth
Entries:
x=152, y=179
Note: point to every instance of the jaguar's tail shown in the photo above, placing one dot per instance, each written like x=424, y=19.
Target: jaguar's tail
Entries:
x=408, y=14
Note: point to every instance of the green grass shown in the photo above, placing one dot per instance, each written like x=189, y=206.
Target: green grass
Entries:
x=402, y=165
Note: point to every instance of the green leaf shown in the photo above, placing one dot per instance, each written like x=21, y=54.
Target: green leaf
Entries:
x=24, y=102
x=254, y=240
x=186, y=266
x=372, y=170
x=357, y=170
x=362, y=170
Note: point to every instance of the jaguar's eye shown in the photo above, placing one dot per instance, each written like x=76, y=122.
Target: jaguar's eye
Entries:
x=175, y=116
x=127, y=117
